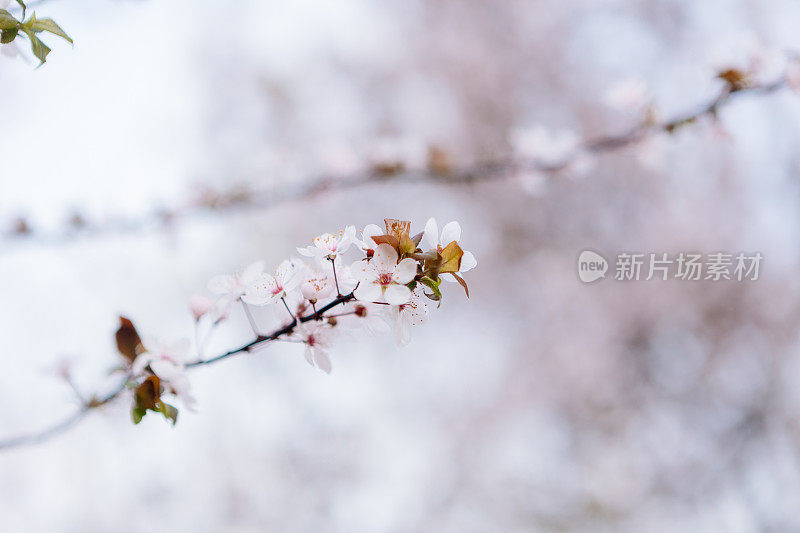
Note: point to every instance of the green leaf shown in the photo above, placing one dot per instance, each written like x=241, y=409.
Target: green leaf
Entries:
x=137, y=413
x=7, y=20
x=6, y=36
x=39, y=49
x=48, y=25
x=170, y=412
x=434, y=286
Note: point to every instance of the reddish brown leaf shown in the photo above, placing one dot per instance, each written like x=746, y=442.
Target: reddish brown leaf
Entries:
x=463, y=283
x=148, y=394
x=128, y=342
x=387, y=239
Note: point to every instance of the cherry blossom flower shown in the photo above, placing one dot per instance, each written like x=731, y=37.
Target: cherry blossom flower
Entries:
x=168, y=362
x=330, y=245
x=316, y=284
x=268, y=289
x=317, y=338
x=235, y=285
x=412, y=313
x=450, y=232
x=319, y=281
x=382, y=278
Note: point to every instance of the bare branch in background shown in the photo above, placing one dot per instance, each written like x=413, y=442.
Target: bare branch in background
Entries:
x=20, y=229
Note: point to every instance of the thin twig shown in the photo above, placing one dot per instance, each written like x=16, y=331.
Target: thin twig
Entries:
x=335, y=278
x=250, y=318
x=287, y=309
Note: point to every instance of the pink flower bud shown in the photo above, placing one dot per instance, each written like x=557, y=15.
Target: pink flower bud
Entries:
x=199, y=306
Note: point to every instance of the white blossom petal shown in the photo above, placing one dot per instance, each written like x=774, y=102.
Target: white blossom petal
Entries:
x=402, y=327
x=385, y=258
x=140, y=363
x=405, y=271
x=165, y=369
x=370, y=231
x=309, y=355
x=431, y=235
x=397, y=294
x=451, y=232
x=468, y=262
x=368, y=292
x=321, y=360
x=251, y=272
x=262, y=291
x=364, y=272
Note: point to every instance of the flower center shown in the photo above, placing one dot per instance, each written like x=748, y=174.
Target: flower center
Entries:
x=384, y=279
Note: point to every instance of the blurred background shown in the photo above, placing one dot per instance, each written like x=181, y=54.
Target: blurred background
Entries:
x=539, y=404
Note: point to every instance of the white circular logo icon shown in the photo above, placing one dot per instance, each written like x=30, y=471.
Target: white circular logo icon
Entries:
x=591, y=266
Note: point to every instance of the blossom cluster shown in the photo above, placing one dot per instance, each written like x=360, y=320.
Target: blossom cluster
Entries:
x=389, y=282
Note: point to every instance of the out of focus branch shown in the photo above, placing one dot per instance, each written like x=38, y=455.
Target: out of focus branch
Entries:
x=392, y=172
x=94, y=402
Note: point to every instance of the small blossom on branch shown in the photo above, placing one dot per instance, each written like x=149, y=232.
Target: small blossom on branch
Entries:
x=451, y=232
x=317, y=336
x=200, y=306
x=330, y=245
x=235, y=285
x=383, y=278
x=268, y=289
x=412, y=313
x=316, y=284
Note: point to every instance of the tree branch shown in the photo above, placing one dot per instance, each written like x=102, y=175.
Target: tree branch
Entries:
x=59, y=427
x=77, y=227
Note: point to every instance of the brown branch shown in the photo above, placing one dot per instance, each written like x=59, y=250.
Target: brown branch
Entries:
x=59, y=427
x=77, y=227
